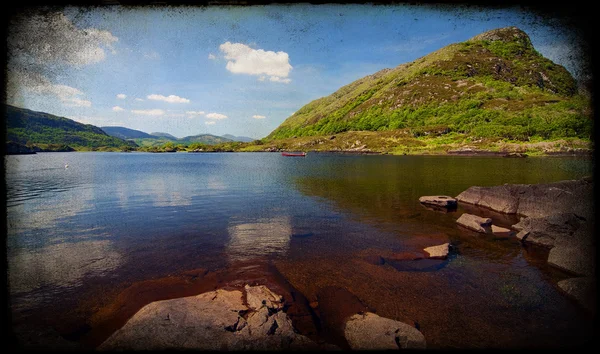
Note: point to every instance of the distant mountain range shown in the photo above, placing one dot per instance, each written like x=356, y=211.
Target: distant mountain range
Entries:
x=243, y=139
x=160, y=138
x=27, y=127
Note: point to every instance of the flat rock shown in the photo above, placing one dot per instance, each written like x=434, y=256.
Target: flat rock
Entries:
x=369, y=331
x=209, y=321
x=438, y=252
x=502, y=232
x=259, y=296
x=535, y=200
x=582, y=290
x=442, y=201
x=475, y=223
x=573, y=259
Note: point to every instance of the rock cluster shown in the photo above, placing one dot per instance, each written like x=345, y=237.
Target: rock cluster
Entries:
x=216, y=320
x=556, y=215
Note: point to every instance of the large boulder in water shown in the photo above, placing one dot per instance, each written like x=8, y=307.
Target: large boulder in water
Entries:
x=535, y=200
x=370, y=332
x=543, y=231
x=216, y=320
x=475, y=223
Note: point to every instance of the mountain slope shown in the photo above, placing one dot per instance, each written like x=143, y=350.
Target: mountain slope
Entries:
x=24, y=126
x=493, y=85
x=125, y=133
x=204, y=139
x=164, y=135
x=243, y=139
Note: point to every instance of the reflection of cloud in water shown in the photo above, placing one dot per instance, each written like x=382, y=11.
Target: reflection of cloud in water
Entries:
x=40, y=214
x=161, y=191
x=61, y=265
x=263, y=237
x=215, y=183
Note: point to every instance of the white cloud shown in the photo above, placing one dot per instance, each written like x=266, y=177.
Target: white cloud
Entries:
x=192, y=114
x=53, y=38
x=139, y=99
x=121, y=96
x=256, y=116
x=170, y=98
x=245, y=60
x=211, y=56
x=216, y=116
x=76, y=102
x=210, y=123
x=117, y=109
x=278, y=79
x=149, y=112
x=33, y=82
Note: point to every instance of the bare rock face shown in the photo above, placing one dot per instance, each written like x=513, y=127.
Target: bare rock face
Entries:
x=543, y=231
x=438, y=252
x=216, y=320
x=534, y=200
x=583, y=290
x=475, y=223
x=576, y=260
x=441, y=201
x=370, y=332
x=259, y=296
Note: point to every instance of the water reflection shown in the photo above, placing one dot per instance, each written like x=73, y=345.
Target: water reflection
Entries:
x=265, y=237
x=61, y=265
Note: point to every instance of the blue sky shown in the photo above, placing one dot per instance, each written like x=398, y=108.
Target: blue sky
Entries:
x=232, y=70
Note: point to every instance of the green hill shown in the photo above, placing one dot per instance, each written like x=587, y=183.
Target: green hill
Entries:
x=164, y=135
x=44, y=130
x=495, y=85
x=156, y=141
x=125, y=133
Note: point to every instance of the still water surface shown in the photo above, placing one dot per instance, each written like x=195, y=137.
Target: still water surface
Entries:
x=113, y=219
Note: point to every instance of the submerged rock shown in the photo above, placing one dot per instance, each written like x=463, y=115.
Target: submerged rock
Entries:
x=442, y=201
x=216, y=320
x=438, y=252
x=475, y=223
x=368, y=331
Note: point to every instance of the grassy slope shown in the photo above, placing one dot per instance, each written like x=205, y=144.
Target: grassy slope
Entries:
x=494, y=86
x=46, y=130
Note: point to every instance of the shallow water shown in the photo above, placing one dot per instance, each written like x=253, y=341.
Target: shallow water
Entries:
x=77, y=237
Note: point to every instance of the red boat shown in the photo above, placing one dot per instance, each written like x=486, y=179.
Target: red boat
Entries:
x=293, y=154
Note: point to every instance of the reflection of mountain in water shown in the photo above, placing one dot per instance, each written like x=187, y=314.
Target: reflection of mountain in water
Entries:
x=269, y=236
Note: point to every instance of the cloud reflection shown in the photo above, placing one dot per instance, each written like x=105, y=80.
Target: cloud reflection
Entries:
x=61, y=265
x=268, y=236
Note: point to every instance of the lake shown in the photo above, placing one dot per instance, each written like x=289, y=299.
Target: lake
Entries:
x=89, y=244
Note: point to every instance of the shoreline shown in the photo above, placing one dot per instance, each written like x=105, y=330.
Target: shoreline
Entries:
x=465, y=153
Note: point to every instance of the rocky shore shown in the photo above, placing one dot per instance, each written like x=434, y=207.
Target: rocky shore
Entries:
x=558, y=216
x=253, y=318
